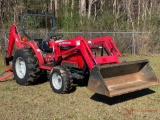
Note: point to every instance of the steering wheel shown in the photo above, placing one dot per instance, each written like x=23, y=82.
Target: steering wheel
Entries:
x=57, y=37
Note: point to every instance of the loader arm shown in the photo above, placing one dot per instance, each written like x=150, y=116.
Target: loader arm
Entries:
x=108, y=44
x=80, y=44
x=84, y=48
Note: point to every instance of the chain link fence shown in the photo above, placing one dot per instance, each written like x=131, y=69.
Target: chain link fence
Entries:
x=128, y=42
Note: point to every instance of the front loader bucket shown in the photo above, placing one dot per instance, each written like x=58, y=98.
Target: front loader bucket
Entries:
x=116, y=79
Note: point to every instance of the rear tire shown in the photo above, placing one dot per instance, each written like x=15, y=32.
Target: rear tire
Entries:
x=60, y=80
x=25, y=66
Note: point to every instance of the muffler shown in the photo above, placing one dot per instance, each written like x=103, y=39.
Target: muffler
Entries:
x=116, y=79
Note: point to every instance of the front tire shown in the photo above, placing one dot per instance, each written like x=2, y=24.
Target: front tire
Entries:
x=25, y=66
x=60, y=80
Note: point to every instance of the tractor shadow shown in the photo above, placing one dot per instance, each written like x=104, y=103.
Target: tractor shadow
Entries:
x=43, y=78
x=78, y=83
x=121, y=98
x=39, y=81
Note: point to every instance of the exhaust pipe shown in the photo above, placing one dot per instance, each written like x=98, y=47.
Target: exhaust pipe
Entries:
x=116, y=79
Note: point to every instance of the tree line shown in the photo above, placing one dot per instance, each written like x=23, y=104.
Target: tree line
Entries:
x=87, y=15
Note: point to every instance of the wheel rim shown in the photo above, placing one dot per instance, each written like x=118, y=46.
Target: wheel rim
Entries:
x=56, y=81
x=20, y=67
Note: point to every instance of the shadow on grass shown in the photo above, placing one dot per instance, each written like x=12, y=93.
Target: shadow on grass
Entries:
x=78, y=83
x=121, y=98
x=43, y=78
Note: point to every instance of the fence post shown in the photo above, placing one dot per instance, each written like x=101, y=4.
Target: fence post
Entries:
x=133, y=44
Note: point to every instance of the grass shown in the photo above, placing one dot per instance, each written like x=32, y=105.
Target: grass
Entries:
x=38, y=102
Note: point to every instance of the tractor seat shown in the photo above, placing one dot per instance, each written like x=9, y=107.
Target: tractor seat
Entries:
x=43, y=45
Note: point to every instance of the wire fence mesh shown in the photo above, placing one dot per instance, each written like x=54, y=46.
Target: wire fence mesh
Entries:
x=128, y=42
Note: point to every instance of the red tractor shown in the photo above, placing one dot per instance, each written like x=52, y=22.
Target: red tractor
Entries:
x=96, y=61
